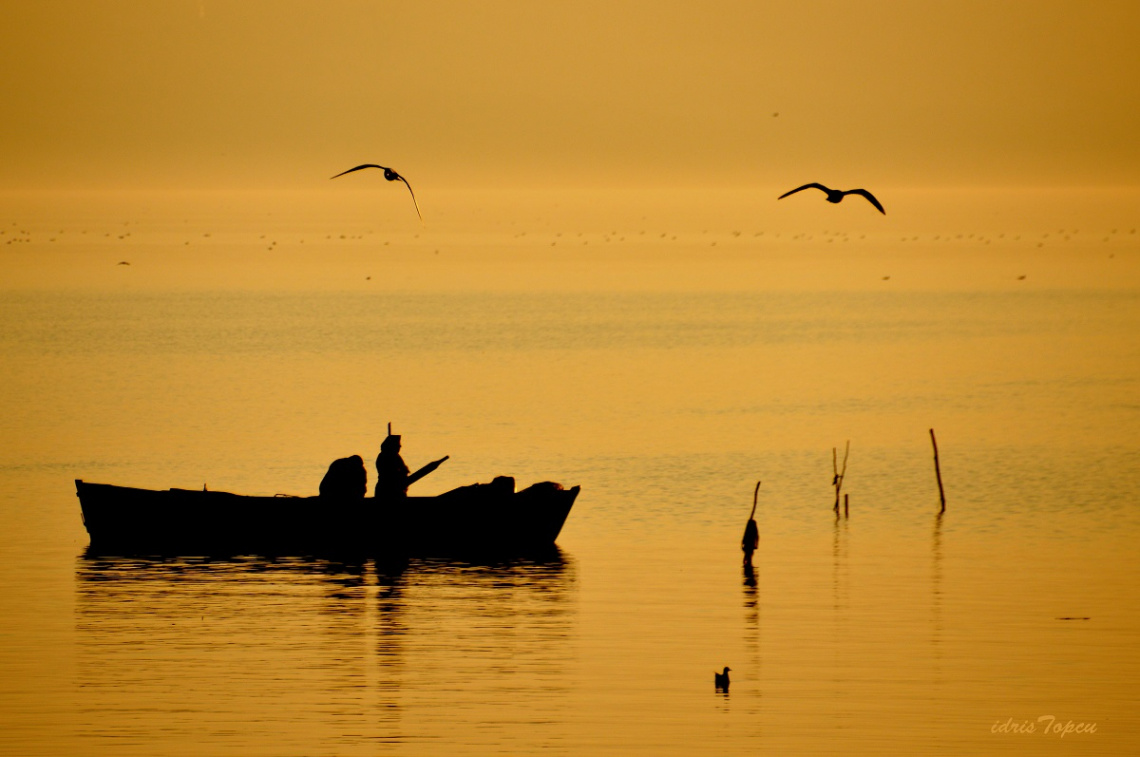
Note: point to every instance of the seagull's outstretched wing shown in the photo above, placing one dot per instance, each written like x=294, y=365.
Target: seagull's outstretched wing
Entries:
x=813, y=185
x=391, y=175
x=870, y=197
x=365, y=165
x=409, y=186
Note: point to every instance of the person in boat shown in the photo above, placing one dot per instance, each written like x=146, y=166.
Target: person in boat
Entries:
x=347, y=479
x=392, y=475
x=391, y=471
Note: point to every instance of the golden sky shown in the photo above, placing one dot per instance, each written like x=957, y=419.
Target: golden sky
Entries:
x=286, y=92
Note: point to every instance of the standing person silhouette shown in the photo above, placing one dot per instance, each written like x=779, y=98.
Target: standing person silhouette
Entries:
x=391, y=471
x=392, y=476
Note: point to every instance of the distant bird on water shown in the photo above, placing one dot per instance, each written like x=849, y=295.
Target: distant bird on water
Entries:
x=721, y=680
x=836, y=195
x=391, y=175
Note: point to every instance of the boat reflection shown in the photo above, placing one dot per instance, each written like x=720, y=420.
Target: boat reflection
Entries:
x=309, y=645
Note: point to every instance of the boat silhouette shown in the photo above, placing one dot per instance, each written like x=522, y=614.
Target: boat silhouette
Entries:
x=480, y=518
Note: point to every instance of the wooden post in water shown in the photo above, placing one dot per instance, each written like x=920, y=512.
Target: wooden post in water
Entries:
x=835, y=478
x=845, y=506
x=837, y=481
x=751, y=538
x=938, y=473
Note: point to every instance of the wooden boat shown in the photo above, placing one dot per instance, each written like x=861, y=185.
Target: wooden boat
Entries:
x=471, y=519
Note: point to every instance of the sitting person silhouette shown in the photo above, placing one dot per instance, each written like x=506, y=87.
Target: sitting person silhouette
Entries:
x=346, y=479
x=392, y=477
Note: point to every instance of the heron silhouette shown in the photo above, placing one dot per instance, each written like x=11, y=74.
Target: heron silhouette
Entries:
x=391, y=175
x=837, y=195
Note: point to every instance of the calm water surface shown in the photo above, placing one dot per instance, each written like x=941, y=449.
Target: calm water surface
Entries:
x=893, y=631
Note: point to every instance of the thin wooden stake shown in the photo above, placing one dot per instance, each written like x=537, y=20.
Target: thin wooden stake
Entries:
x=839, y=474
x=751, y=538
x=835, y=478
x=845, y=505
x=938, y=473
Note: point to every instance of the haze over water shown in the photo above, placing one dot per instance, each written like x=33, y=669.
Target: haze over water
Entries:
x=605, y=292
x=666, y=392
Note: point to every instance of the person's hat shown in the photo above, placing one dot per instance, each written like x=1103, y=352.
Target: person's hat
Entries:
x=391, y=440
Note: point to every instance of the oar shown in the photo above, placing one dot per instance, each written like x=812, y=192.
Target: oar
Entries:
x=426, y=470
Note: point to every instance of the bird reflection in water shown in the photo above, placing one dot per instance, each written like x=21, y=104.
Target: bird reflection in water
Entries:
x=751, y=629
x=749, y=575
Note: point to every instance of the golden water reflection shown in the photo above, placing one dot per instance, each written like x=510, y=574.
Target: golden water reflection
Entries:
x=314, y=655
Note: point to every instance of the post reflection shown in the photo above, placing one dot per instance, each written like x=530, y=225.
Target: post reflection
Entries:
x=840, y=573
x=936, y=599
x=752, y=622
x=311, y=653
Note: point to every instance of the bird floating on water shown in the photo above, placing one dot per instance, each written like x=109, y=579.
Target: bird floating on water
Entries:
x=721, y=679
x=391, y=175
x=836, y=195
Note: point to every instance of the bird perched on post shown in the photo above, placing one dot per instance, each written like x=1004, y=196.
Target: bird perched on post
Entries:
x=836, y=195
x=389, y=174
x=751, y=538
x=720, y=680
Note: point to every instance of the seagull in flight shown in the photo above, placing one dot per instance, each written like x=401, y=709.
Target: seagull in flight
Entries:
x=391, y=175
x=836, y=195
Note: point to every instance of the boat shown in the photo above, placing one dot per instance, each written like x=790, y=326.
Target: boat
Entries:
x=479, y=518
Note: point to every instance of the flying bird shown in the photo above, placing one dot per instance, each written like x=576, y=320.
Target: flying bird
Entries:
x=721, y=679
x=836, y=195
x=391, y=175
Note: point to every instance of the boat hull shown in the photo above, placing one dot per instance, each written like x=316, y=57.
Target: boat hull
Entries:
x=478, y=518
